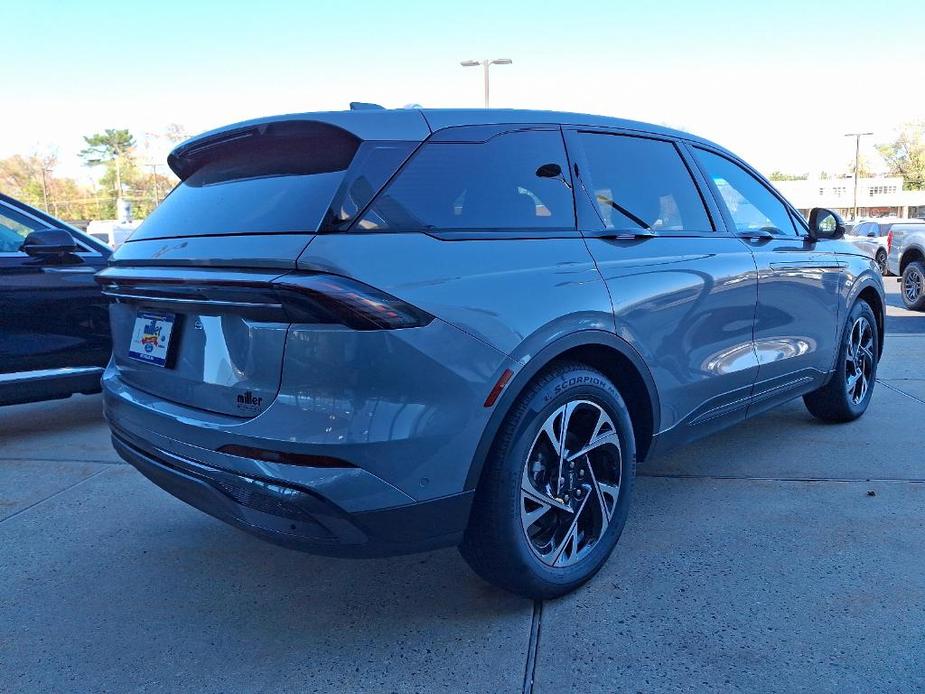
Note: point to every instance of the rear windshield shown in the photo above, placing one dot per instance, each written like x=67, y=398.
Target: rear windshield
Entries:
x=279, y=178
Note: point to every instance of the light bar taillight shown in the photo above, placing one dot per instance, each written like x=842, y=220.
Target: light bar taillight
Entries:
x=889, y=241
x=293, y=298
x=334, y=299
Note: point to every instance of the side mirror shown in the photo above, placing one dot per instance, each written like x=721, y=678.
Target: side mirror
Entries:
x=46, y=242
x=549, y=171
x=825, y=224
x=553, y=171
x=871, y=234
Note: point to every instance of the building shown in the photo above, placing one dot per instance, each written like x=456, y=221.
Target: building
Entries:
x=880, y=196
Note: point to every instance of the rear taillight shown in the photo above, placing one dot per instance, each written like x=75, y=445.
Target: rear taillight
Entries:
x=889, y=241
x=265, y=296
x=335, y=299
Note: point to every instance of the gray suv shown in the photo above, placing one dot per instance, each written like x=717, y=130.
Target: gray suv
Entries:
x=382, y=331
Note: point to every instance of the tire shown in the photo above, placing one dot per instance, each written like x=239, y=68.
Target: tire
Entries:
x=541, y=537
x=847, y=394
x=913, y=286
x=881, y=263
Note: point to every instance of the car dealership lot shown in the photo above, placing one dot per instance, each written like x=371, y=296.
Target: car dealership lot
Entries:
x=756, y=559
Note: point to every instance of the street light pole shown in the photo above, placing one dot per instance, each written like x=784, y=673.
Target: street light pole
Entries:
x=857, y=159
x=487, y=63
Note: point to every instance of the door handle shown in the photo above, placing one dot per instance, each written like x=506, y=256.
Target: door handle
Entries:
x=755, y=235
x=613, y=234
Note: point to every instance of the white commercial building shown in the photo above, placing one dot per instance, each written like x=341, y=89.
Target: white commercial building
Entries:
x=881, y=196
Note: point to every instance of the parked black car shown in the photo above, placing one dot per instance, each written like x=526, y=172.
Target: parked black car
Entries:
x=54, y=320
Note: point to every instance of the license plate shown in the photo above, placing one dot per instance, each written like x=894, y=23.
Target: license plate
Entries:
x=151, y=337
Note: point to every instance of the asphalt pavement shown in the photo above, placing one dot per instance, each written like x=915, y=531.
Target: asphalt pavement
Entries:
x=782, y=555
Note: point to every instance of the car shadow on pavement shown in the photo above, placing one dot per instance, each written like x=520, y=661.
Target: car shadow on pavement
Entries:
x=56, y=416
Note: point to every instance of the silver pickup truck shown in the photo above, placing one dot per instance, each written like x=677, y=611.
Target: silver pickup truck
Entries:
x=906, y=244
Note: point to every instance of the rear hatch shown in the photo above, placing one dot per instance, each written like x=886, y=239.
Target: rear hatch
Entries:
x=204, y=292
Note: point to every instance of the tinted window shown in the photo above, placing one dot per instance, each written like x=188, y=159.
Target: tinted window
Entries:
x=642, y=183
x=487, y=185
x=14, y=227
x=373, y=165
x=281, y=178
x=751, y=205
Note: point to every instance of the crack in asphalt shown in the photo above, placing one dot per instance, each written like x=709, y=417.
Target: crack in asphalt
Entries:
x=533, y=646
x=749, y=478
x=901, y=392
x=52, y=496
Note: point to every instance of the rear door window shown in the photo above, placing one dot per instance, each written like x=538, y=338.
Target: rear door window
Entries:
x=642, y=183
x=513, y=181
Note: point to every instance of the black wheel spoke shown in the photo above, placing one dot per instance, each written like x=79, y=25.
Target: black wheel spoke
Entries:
x=571, y=482
x=859, y=360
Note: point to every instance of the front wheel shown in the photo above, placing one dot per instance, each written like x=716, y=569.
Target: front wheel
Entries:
x=913, y=286
x=847, y=394
x=556, y=488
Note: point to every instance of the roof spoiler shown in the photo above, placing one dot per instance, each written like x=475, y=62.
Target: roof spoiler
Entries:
x=363, y=123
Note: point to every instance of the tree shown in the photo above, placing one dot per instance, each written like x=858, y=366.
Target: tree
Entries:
x=781, y=176
x=864, y=170
x=112, y=148
x=31, y=179
x=905, y=156
x=175, y=133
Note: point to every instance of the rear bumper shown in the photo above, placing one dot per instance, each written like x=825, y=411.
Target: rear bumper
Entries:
x=298, y=517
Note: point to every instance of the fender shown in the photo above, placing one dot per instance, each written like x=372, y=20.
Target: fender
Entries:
x=862, y=282
x=912, y=249
x=531, y=367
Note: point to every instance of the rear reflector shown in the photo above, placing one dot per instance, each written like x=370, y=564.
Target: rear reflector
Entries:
x=284, y=457
x=499, y=386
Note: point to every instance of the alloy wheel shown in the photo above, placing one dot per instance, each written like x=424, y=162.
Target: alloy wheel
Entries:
x=571, y=483
x=881, y=263
x=912, y=285
x=859, y=360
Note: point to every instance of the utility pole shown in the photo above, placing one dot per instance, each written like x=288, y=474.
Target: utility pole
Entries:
x=486, y=63
x=157, y=193
x=857, y=159
x=45, y=189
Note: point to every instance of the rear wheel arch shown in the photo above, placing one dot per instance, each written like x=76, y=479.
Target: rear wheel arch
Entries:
x=910, y=255
x=614, y=357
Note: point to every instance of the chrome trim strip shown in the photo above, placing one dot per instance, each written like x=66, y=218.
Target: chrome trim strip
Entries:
x=49, y=373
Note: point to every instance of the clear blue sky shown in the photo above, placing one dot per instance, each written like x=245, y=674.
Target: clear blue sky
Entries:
x=778, y=82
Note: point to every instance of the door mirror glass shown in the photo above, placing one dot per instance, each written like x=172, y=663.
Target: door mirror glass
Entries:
x=825, y=224
x=45, y=242
x=549, y=171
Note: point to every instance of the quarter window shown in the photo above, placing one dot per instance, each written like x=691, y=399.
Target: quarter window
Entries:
x=515, y=180
x=751, y=205
x=641, y=183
